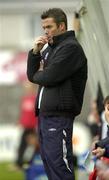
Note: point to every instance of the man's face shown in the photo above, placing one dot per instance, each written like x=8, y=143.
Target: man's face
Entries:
x=51, y=29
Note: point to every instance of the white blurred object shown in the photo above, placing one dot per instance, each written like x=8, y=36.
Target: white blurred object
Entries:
x=81, y=138
x=12, y=67
x=9, y=142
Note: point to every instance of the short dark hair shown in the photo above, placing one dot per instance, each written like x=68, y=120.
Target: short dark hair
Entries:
x=106, y=100
x=56, y=13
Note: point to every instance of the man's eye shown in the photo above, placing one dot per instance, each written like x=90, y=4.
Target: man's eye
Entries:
x=49, y=27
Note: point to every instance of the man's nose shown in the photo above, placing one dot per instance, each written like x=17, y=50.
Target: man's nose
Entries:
x=46, y=32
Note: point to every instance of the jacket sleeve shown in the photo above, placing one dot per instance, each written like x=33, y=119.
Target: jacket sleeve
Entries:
x=106, y=150
x=103, y=142
x=33, y=64
x=67, y=60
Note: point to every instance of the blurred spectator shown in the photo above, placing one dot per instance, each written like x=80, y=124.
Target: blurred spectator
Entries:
x=102, y=148
x=105, y=118
x=27, y=119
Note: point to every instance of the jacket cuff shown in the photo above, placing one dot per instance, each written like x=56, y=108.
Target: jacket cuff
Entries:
x=32, y=54
x=106, y=154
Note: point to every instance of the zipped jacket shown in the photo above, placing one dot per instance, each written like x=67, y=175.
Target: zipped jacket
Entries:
x=63, y=78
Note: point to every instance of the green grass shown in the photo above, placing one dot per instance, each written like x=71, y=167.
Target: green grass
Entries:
x=7, y=174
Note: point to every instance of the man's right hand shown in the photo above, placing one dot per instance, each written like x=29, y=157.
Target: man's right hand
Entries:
x=39, y=43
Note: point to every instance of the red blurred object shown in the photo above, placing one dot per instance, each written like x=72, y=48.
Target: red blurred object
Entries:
x=105, y=160
x=27, y=116
x=93, y=175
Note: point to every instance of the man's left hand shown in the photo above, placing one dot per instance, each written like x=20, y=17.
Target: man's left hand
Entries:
x=41, y=68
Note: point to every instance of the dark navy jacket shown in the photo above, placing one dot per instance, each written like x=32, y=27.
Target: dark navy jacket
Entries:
x=64, y=76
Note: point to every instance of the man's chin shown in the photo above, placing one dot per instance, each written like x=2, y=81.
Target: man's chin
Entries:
x=50, y=41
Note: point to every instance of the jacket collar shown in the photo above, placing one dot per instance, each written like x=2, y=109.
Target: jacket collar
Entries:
x=59, y=38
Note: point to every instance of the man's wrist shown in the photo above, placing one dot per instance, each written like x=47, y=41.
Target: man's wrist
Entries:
x=36, y=51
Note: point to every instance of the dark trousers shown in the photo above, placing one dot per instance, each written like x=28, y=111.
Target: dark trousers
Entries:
x=55, y=134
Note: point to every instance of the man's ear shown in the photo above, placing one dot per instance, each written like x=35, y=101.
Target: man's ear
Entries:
x=62, y=26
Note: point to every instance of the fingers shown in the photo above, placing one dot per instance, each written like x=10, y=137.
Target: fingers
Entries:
x=41, y=65
x=95, y=153
x=41, y=40
x=39, y=43
x=98, y=152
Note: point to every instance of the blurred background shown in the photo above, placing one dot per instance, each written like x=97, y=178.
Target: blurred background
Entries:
x=19, y=25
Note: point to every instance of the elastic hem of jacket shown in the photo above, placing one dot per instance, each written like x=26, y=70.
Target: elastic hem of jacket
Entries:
x=56, y=114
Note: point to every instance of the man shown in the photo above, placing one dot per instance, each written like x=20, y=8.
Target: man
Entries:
x=61, y=72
